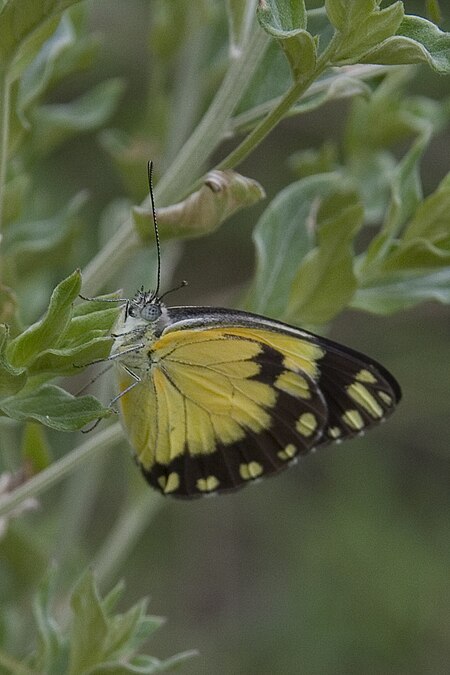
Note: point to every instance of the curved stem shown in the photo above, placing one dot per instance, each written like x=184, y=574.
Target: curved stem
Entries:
x=58, y=470
x=262, y=130
x=5, y=88
x=188, y=164
x=125, y=534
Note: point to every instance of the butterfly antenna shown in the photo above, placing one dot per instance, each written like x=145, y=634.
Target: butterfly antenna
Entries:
x=155, y=225
x=176, y=288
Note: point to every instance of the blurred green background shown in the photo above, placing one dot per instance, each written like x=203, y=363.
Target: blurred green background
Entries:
x=340, y=565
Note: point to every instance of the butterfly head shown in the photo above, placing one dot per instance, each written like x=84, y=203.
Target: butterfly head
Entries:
x=145, y=306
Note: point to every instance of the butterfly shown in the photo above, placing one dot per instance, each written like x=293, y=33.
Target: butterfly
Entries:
x=213, y=399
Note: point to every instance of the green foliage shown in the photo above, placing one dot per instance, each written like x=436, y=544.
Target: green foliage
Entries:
x=351, y=229
x=57, y=344
x=96, y=640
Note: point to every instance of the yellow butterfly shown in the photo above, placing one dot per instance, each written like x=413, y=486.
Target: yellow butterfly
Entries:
x=213, y=399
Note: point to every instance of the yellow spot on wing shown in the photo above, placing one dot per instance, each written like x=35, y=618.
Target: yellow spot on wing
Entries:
x=207, y=484
x=288, y=453
x=306, y=424
x=334, y=432
x=361, y=395
x=293, y=384
x=385, y=397
x=169, y=483
x=365, y=375
x=250, y=470
x=353, y=419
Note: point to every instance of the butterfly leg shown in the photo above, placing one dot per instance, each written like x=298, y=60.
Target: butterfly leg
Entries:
x=136, y=379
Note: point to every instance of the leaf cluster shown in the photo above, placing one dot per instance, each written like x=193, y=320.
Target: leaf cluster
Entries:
x=97, y=639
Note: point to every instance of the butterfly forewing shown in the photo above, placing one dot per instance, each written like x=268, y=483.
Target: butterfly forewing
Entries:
x=229, y=397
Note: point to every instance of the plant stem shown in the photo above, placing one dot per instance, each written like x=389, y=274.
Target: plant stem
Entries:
x=248, y=118
x=5, y=88
x=188, y=164
x=260, y=132
x=12, y=666
x=58, y=470
x=126, y=532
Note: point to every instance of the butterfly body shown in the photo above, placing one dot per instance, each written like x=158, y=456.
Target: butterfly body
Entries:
x=214, y=399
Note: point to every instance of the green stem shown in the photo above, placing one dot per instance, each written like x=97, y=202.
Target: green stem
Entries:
x=58, y=470
x=127, y=531
x=188, y=164
x=5, y=88
x=262, y=130
x=13, y=666
x=247, y=119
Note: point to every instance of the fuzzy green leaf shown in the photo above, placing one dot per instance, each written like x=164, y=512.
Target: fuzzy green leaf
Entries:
x=24, y=26
x=54, y=124
x=12, y=379
x=362, y=25
x=286, y=21
x=38, y=74
x=397, y=292
x=30, y=242
x=417, y=41
x=54, y=407
x=282, y=17
x=96, y=640
x=50, y=653
x=89, y=626
x=69, y=360
x=325, y=282
x=431, y=218
x=35, y=448
x=406, y=193
x=47, y=332
x=15, y=191
x=283, y=236
x=223, y=193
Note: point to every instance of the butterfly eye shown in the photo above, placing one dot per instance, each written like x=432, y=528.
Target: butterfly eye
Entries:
x=151, y=312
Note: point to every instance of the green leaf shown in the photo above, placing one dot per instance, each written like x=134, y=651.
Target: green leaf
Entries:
x=47, y=332
x=406, y=187
x=282, y=16
x=223, y=193
x=15, y=191
x=434, y=11
x=54, y=407
x=96, y=640
x=8, y=306
x=416, y=255
x=283, y=236
x=398, y=292
x=406, y=193
x=431, y=218
x=12, y=379
x=35, y=448
x=54, y=124
x=50, y=652
x=346, y=14
x=325, y=282
x=24, y=26
x=89, y=626
x=362, y=25
x=417, y=41
x=32, y=242
x=69, y=360
x=62, y=53
x=285, y=20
